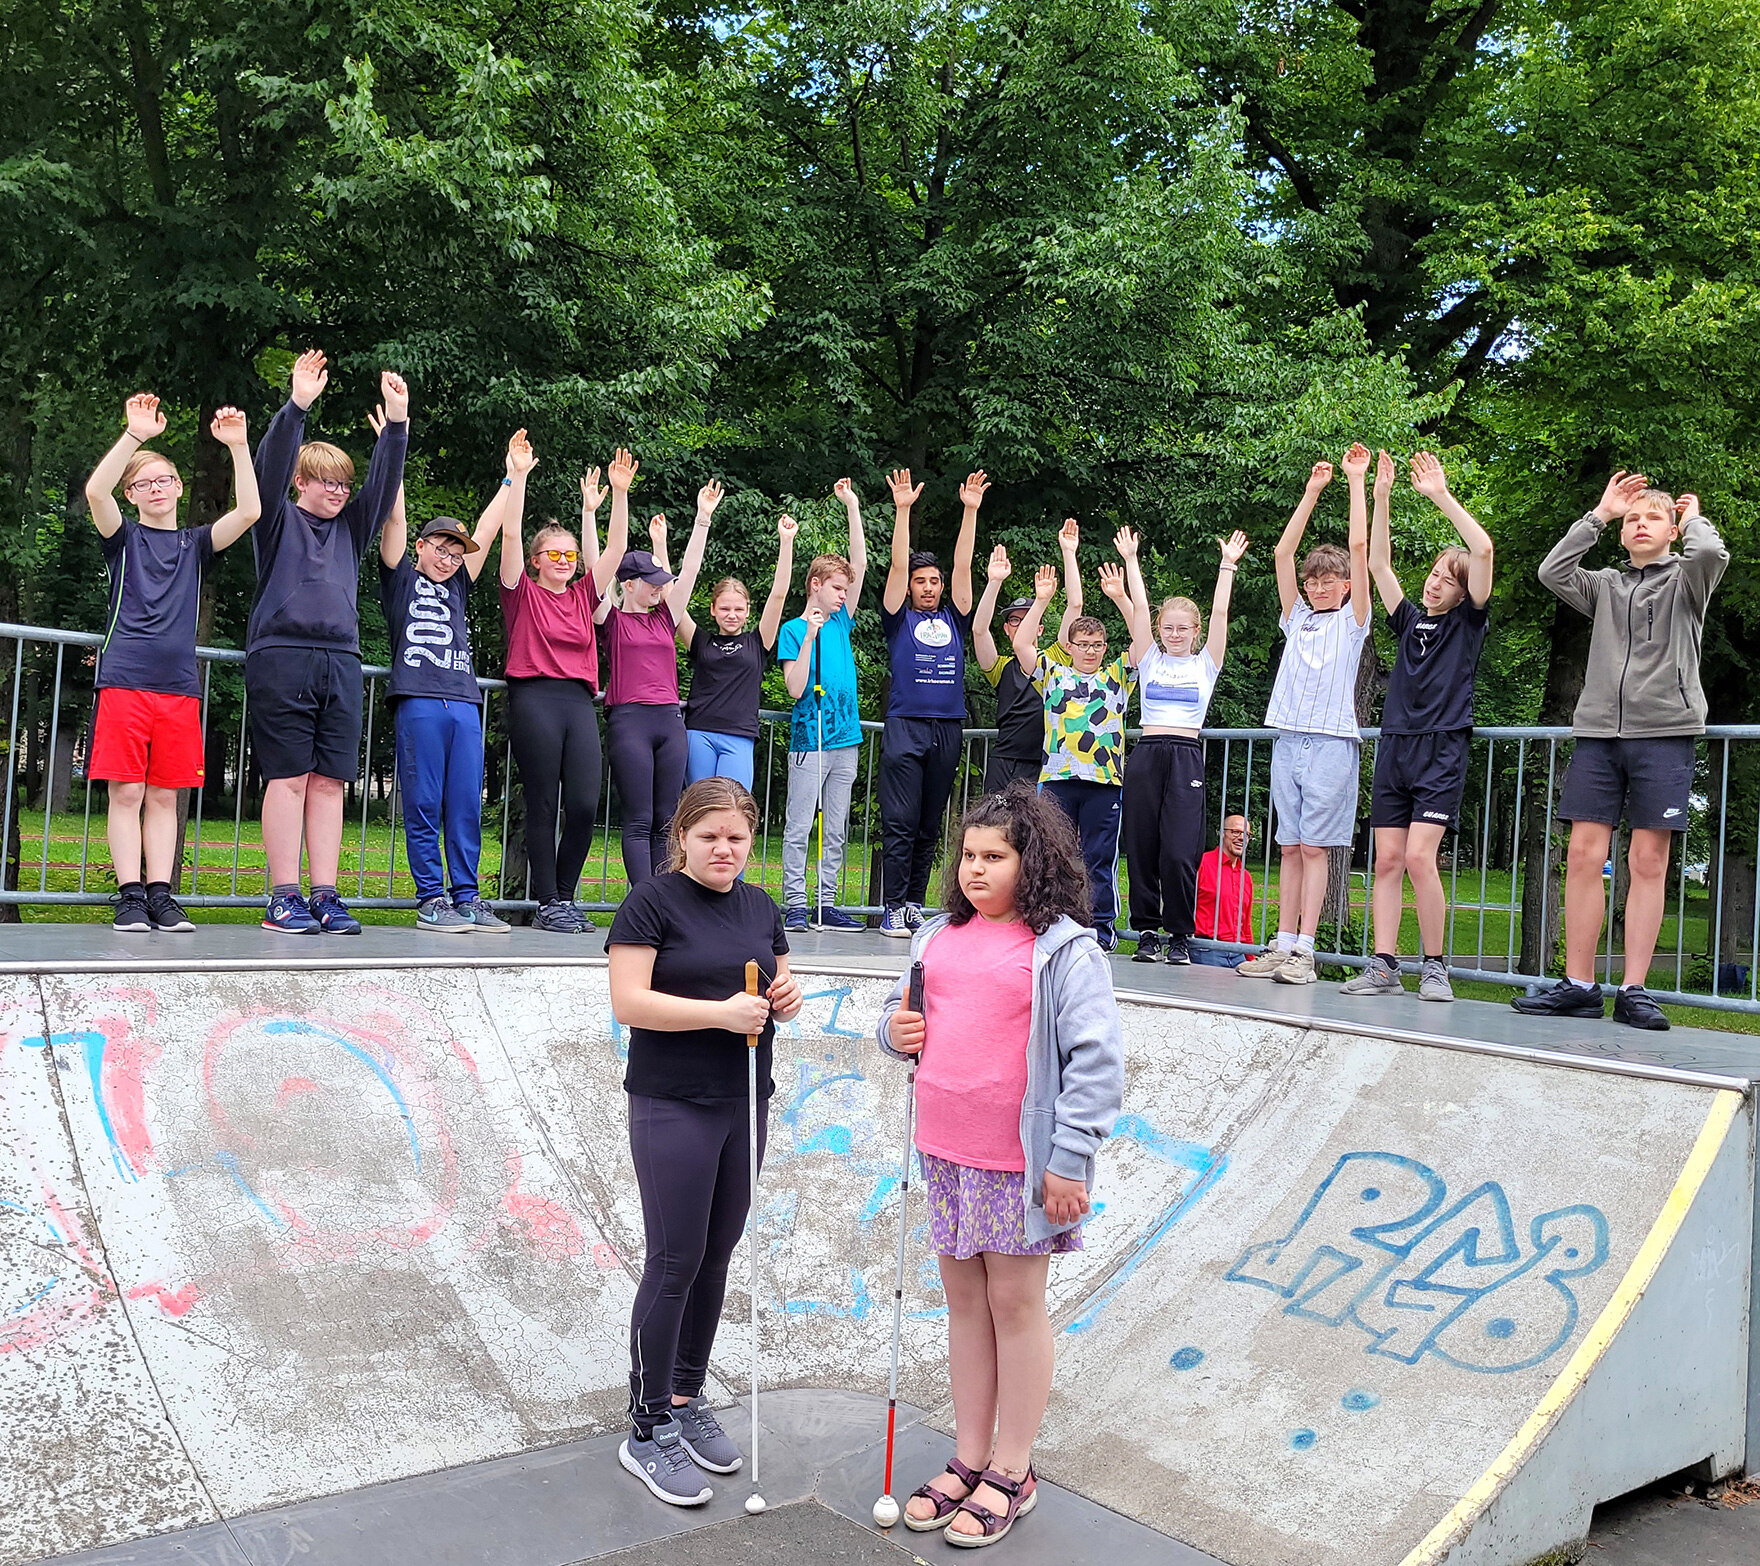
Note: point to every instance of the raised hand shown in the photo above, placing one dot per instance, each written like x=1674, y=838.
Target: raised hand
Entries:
x=229, y=427
x=521, y=459
x=709, y=497
x=657, y=532
x=592, y=496
x=1428, y=477
x=1233, y=547
x=1069, y=535
x=622, y=471
x=376, y=421
x=899, y=482
x=971, y=493
x=1383, y=475
x=786, y=528
x=1686, y=507
x=1319, y=476
x=1112, y=582
x=1356, y=460
x=1125, y=541
x=395, y=391
x=143, y=417
x=846, y=492
x=311, y=375
x=1622, y=490
x=1044, y=583
x=998, y=569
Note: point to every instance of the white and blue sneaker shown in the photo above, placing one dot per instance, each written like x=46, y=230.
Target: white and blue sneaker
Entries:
x=333, y=916
x=664, y=1465
x=709, y=1445
x=288, y=915
x=915, y=915
x=894, y=923
x=436, y=914
x=795, y=919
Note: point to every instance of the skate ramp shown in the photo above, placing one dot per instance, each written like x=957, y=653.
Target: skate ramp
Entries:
x=269, y=1236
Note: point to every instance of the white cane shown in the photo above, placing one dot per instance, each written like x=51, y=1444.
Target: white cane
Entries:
x=755, y=1501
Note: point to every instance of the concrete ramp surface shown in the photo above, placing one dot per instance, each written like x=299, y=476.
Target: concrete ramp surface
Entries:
x=274, y=1235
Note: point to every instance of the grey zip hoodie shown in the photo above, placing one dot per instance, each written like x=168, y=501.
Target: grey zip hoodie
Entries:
x=1075, y=1059
x=1643, y=677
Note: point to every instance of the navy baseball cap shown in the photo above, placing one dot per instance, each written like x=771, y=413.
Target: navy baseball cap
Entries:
x=639, y=563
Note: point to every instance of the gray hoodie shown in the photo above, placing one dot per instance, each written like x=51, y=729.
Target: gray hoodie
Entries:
x=1643, y=676
x=1075, y=1059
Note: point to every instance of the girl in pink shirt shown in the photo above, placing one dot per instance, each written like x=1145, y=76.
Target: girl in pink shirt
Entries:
x=1021, y=1077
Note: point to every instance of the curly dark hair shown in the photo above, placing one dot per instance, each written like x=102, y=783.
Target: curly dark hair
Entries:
x=1053, y=880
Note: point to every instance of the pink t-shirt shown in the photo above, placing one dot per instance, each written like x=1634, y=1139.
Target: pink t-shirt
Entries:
x=550, y=635
x=642, y=653
x=978, y=1002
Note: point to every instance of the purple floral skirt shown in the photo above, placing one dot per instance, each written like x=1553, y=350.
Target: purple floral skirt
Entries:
x=975, y=1210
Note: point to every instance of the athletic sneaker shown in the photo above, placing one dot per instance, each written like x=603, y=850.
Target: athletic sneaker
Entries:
x=664, y=1466
x=796, y=919
x=1433, y=983
x=1376, y=979
x=167, y=915
x=831, y=918
x=1175, y=951
x=1636, y=1009
x=1564, y=999
x=1107, y=937
x=1149, y=947
x=1265, y=965
x=333, y=916
x=1298, y=968
x=709, y=1445
x=132, y=914
x=289, y=915
x=438, y=915
x=559, y=918
x=482, y=915
x=892, y=923
x=914, y=915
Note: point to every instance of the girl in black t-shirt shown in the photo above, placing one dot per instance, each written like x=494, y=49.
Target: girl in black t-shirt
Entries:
x=679, y=948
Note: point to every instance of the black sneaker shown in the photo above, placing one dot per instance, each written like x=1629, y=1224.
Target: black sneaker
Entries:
x=1636, y=1009
x=132, y=914
x=166, y=913
x=1176, y=951
x=559, y=918
x=1107, y=937
x=1564, y=999
x=1149, y=947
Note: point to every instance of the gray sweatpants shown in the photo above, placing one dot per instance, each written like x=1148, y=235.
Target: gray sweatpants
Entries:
x=818, y=781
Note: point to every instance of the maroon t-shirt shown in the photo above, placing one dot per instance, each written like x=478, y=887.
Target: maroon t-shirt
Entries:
x=550, y=635
x=642, y=652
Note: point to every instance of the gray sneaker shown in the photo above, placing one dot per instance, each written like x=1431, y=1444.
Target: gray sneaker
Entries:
x=1433, y=983
x=440, y=916
x=664, y=1466
x=482, y=915
x=1374, y=980
x=708, y=1444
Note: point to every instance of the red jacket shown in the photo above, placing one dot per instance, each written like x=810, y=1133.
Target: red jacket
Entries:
x=1225, y=899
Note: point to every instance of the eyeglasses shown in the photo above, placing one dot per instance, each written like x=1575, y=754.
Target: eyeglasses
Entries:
x=1098, y=647
x=452, y=552
x=561, y=556
x=162, y=485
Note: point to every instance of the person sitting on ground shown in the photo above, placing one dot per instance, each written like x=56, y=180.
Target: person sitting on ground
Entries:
x=1636, y=724
x=1225, y=896
x=1426, y=727
x=147, y=733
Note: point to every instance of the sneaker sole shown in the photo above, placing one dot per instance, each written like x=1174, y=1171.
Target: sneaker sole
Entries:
x=703, y=1462
x=283, y=929
x=641, y=1473
x=445, y=929
x=183, y=928
x=1139, y=957
x=1262, y=973
x=1433, y=996
x=1282, y=976
x=1172, y=962
x=1391, y=989
x=1596, y=1013
x=140, y=929
x=355, y=931
x=895, y=935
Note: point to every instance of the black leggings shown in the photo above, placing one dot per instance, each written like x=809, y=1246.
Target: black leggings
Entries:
x=555, y=737
x=1164, y=831
x=693, y=1168
x=648, y=750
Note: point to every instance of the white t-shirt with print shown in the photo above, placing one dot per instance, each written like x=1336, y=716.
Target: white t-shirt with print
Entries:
x=1175, y=692
x=1316, y=687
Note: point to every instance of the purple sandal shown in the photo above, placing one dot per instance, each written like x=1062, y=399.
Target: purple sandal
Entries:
x=995, y=1528
x=945, y=1505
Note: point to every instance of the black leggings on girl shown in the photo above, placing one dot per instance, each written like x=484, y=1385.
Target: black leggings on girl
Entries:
x=555, y=737
x=693, y=1167
x=648, y=751
x=1164, y=831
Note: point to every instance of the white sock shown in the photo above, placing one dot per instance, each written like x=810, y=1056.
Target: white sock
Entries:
x=1305, y=944
x=1286, y=941
x=1581, y=984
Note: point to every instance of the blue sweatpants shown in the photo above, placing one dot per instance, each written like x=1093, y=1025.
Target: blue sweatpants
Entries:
x=714, y=755
x=1093, y=809
x=440, y=772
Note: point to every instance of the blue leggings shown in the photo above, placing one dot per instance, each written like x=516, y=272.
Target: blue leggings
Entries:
x=715, y=755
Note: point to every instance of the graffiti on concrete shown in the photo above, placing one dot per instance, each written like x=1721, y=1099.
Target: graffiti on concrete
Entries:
x=1381, y=1248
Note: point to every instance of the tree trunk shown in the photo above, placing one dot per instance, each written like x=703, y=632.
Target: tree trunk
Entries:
x=1542, y=910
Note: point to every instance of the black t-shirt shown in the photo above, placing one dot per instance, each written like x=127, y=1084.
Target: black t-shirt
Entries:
x=702, y=941
x=1020, y=714
x=727, y=682
x=1431, y=687
x=430, y=641
x=155, y=595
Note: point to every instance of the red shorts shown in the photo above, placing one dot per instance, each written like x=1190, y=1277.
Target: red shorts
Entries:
x=147, y=737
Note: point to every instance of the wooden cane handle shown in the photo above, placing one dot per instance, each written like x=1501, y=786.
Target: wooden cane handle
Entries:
x=754, y=974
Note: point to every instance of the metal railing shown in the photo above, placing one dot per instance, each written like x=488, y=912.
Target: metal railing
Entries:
x=1503, y=867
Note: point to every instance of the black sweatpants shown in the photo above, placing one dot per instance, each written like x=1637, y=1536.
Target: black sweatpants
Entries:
x=1093, y=810
x=1000, y=771
x=693, y=1168
x=648, y=751
x=1164, y=801
x=919, y=758
x=555, y=736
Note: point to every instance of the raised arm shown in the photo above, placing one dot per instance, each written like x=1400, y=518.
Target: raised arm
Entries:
x=1356, y=467
x=983, y=637
x=1381, y=534
x=678, y=591
x=858, y=542
x=1561, y=572
x=1430, y=481
x=142, y=422
x=520, y=461
x=592, y=497
x=1704, y=556
x=1026, y=634
x=278, y=450
x=797, y=673
x=1290, y=540
x=1068, y=536
x=770, y=621
x=971, y=496
x=622, y=473
x=1137, y=617
x=394, y=535
x=1216, y=644
x=229, y=428
x=488, y=519
x=898, y=571
x=367, y=510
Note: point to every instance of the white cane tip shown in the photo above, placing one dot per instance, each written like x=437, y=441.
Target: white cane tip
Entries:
x=885, y=1512
x=755, y=1504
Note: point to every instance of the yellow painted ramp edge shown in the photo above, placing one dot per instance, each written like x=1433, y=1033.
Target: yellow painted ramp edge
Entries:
x=1453, y=1528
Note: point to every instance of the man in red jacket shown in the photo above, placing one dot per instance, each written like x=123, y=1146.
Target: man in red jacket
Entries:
x=1225, y=895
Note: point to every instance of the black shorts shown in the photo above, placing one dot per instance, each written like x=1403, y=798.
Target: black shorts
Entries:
x=1419, y=778
x=1647, y=781
x=305, y=707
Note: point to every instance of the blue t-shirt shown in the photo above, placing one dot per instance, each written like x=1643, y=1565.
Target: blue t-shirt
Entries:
x=833, y=667
x=155, y=595
x=430, y=638
x=928, y=653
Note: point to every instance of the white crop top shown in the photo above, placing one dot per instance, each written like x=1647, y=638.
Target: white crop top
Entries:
x=1175, y=692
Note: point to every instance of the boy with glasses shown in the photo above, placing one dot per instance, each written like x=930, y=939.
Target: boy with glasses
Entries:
x=147, y=735
x=302, y=672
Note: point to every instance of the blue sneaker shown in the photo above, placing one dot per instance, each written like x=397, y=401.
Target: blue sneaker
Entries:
x=836, y=919
x=436, y=914
x=289, y=915
x=796, y=919
x=482, y=915
x=894, y=923
x=333, y=916
x=915, y=915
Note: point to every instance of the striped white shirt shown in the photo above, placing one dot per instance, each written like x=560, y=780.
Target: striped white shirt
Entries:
x=1316, y=687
